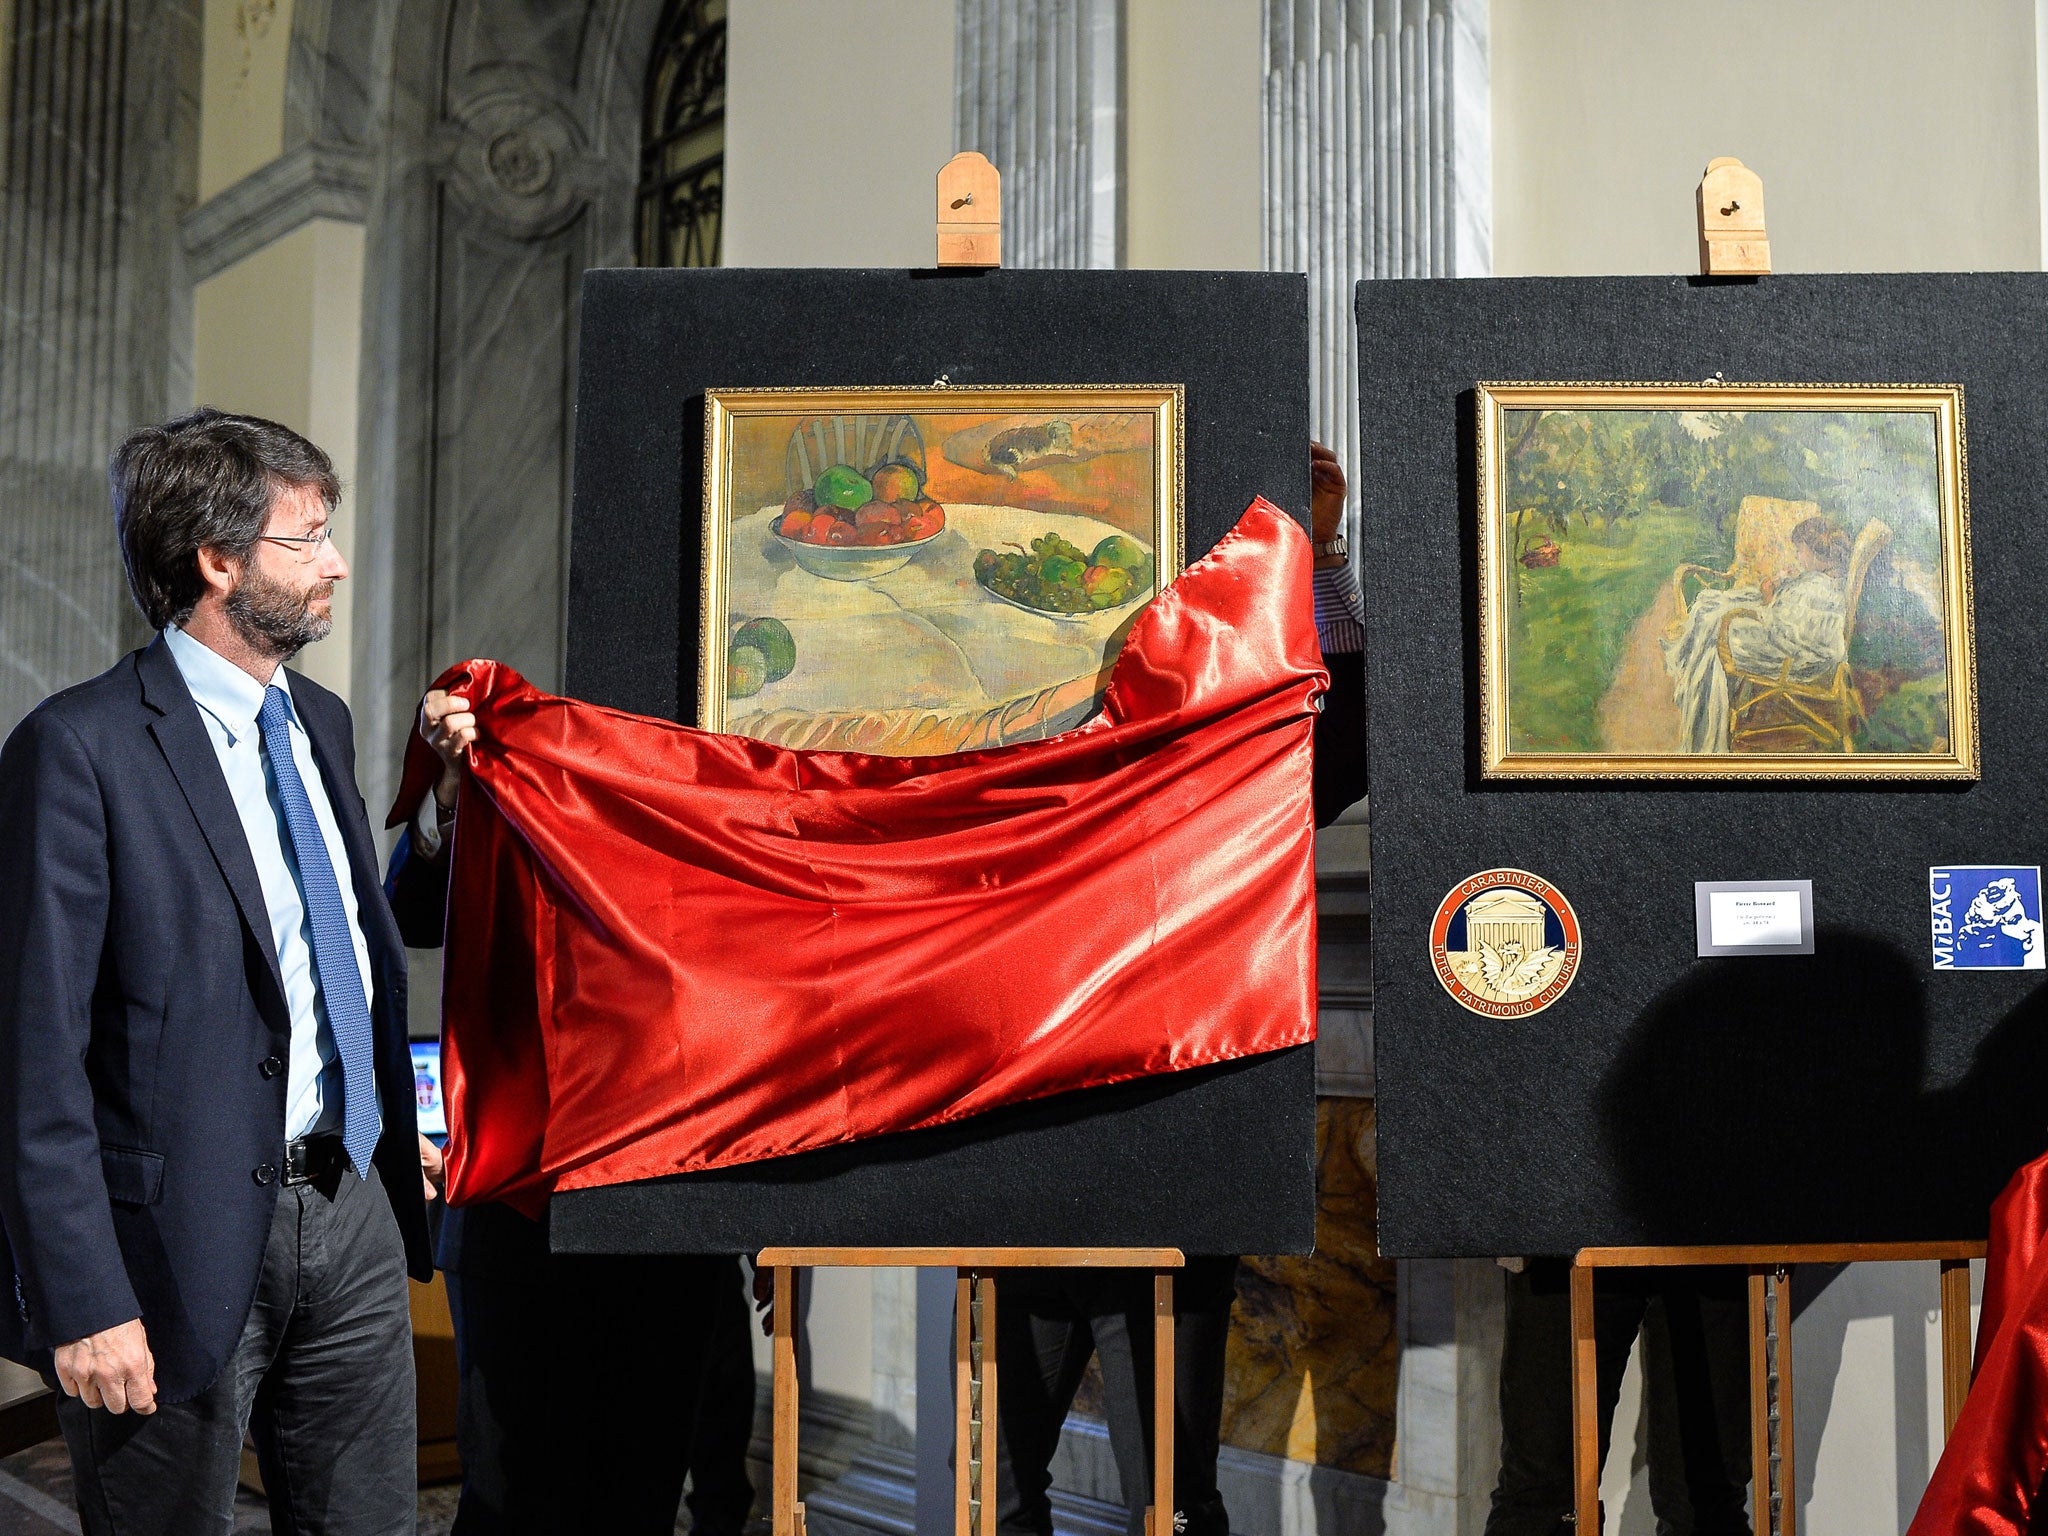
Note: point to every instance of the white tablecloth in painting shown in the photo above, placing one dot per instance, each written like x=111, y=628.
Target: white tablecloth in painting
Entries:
x=922, y=658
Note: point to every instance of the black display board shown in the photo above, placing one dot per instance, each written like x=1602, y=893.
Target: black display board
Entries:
x=1856, y=1094
x=1218, y=1160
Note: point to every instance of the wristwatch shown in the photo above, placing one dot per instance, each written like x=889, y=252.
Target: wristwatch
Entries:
x=1338, y=546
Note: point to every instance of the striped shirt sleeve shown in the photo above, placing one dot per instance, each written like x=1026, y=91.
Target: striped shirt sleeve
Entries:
x=1340, y=610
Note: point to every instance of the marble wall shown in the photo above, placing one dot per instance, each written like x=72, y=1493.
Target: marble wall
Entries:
x=98, y=153
x=1315, y=1352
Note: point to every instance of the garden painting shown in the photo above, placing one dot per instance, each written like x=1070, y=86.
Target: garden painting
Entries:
x=1738, y=581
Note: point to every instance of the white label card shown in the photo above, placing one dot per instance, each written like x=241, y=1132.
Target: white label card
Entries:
x=1754, y=917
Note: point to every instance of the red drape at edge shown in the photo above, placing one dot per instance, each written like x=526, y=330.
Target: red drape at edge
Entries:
x=671, y=950
x=1989, y=1478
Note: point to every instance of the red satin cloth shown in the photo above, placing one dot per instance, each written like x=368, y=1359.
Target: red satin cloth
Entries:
x=669, y=949
x=1988, y=1481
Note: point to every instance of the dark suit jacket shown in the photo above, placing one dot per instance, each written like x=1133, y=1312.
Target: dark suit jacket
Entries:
x=143, y=1025
x=1340, y=738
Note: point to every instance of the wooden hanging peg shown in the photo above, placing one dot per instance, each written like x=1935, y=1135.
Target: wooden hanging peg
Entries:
x=970, y=212
x=1732, y=242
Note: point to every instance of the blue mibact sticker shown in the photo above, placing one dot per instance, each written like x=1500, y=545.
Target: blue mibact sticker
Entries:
x=1987, y=917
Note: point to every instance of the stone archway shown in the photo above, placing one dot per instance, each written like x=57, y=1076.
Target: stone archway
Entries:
x=503, y=157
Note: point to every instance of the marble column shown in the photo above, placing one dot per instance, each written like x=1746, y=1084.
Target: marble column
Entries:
x=1378, y=164
x=1038, y=88
x=100, y=151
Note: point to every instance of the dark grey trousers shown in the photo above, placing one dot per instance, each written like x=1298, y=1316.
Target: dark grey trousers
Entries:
x=1048, y=1323
x=322, y=1376
x=1695, y=1329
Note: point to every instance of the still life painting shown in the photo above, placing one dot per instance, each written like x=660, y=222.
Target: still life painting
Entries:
x=1721, y=580
x=921, y=571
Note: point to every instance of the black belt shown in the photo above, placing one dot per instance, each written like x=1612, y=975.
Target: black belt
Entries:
x=313, y=1157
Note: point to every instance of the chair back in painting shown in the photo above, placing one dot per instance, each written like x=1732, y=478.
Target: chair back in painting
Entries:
x=1763, y=547
x=1873, y=541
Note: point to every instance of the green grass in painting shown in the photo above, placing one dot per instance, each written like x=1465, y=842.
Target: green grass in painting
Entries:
x=1568, y=623
x=1913, y=719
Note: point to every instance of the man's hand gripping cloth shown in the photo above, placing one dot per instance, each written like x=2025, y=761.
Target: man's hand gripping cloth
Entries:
x=669, y=949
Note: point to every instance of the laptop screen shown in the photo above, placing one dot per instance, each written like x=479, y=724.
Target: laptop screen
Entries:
x=426, y=1087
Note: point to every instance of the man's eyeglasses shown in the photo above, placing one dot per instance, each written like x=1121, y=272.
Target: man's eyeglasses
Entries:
x=308, y=545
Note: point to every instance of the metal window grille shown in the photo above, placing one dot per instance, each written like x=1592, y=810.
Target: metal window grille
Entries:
x=682, y=159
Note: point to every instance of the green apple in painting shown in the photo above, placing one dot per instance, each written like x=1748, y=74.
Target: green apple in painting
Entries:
x=746, y=672
x=843, y=486
x=1120, y=552
x=772, y=639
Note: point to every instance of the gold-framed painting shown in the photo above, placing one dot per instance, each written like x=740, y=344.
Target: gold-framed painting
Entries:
x=1757, y=581
x=922, y=571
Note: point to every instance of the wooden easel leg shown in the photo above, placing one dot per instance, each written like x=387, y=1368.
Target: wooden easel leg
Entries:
x=963, y=1402
x=988, y=1404
x=1159, y=1518
x=1781, y=1400
x=788, y=1515
x=1955, y=1341
x=1759, y=1406
x=1774, y=1500
x=1585, y=1404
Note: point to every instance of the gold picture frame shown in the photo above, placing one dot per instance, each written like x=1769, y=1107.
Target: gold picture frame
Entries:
x=920, y=571
x=1709, y=581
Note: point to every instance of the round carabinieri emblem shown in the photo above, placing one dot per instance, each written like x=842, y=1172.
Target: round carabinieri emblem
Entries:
x=1505, y=943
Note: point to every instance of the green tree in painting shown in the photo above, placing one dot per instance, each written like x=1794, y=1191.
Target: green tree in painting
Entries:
x=1603, y=506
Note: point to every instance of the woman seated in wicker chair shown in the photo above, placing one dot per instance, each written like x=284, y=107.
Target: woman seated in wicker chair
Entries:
x=1798, y=634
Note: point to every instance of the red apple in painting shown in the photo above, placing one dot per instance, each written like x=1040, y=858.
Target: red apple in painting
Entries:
x=819, y=529
x=925, y=519
x=794, y=523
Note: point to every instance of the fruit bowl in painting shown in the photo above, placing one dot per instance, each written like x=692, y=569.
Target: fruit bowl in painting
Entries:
x=853, y=562
x=846, y=526
x=1056, y=579
x=1069, y=616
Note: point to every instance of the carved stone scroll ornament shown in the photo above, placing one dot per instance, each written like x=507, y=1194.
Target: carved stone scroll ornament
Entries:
x=518, y=161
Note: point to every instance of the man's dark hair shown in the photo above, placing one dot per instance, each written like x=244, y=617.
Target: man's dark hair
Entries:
x=203, y=481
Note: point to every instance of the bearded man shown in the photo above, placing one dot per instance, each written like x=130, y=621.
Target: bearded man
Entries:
x=210, y=1177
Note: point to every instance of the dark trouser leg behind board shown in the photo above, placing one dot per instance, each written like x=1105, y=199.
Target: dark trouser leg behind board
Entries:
x=721, y=1494
x=1043, y=1343
x=1534, y=1494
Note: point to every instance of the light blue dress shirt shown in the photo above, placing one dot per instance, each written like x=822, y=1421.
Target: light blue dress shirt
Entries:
x=228, y=700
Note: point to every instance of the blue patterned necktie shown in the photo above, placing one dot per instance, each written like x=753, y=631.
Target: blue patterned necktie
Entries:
x=334, y=952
